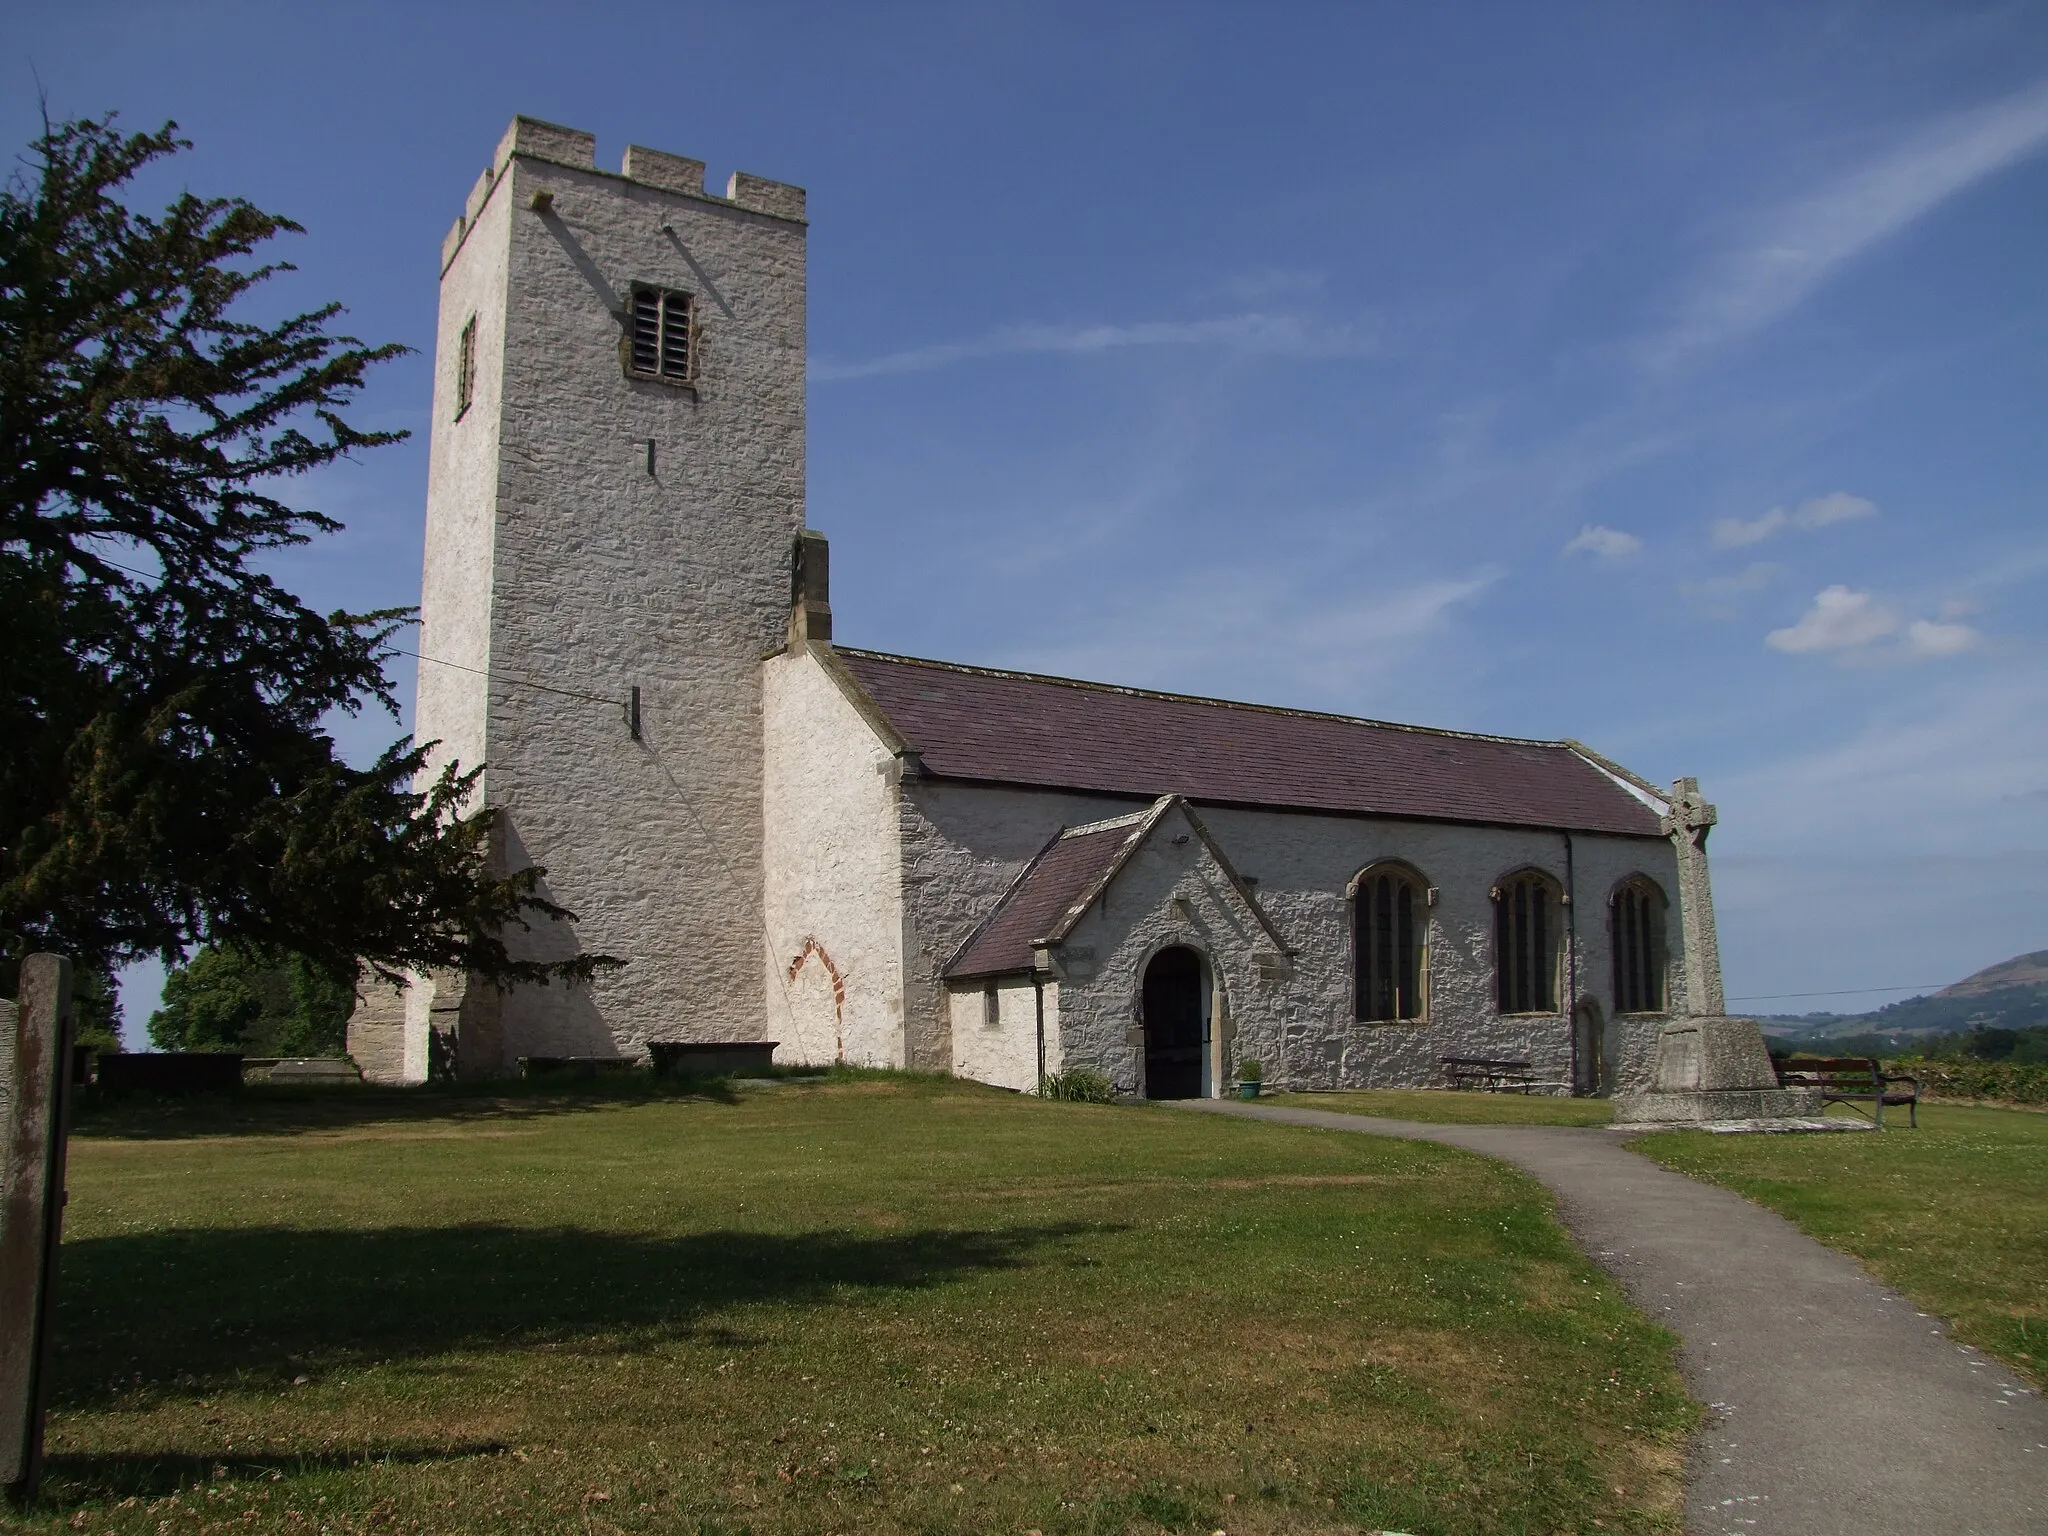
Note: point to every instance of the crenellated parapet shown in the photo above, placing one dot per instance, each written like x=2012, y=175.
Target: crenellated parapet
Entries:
x=531, y=138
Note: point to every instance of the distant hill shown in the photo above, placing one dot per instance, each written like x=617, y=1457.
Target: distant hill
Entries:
x=2012, y=994
x=2019, y=971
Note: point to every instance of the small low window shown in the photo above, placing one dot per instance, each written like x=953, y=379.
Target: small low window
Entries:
x=1389, y=928
x=1639, y=954
x=991, y=1007
x=1527, y=909
x=661, y=341
x=465, y=369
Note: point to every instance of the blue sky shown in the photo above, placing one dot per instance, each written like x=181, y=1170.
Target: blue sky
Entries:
x=1669, y=378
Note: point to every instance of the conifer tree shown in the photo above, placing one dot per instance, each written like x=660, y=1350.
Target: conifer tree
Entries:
x=166, y=782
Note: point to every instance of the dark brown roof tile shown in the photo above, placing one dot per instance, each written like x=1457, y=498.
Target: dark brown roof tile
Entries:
x=1072, y=864
x=1016, y=728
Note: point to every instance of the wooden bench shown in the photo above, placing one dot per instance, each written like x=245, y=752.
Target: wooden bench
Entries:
x=1477, y=1072
x=1853, y=1080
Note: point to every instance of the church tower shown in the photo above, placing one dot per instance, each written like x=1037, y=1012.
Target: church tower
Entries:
x=616, y=485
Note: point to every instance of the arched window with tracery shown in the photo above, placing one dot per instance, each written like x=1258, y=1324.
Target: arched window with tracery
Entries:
x=1528, y=927
x=1637, y=930
x=1389, y=943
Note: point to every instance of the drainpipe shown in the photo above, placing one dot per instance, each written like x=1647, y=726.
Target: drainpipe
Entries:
x=1038, y=1001
x=1571, y=957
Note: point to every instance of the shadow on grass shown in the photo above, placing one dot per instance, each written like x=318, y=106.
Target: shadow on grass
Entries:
x=148, y=1317
x=72, y=1479
x=264, y=1110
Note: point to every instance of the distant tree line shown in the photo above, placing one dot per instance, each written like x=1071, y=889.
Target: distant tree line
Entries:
x=261, y=1003
x=1985, y=1042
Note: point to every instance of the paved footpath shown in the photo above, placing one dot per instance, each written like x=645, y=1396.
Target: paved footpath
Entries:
x=1835, y=1405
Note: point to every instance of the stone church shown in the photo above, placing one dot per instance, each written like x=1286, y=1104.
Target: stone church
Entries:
x=890, y=861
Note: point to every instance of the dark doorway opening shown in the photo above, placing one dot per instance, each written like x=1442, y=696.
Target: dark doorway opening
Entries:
x=1175, y=1025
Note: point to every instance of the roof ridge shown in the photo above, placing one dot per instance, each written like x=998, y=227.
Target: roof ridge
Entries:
x=1108, y=824
x=1141, y=827
x=1127, y=691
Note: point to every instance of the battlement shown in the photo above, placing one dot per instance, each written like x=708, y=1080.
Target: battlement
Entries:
x=556, y=145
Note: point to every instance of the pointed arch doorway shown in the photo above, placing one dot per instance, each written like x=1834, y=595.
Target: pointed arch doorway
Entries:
x=1175, y=1001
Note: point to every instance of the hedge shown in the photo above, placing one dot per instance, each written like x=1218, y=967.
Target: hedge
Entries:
x=2002, y=1082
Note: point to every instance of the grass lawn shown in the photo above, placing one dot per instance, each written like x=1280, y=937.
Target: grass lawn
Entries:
x=1443, y=1106
x=875, y=1305
x=1954, y=1215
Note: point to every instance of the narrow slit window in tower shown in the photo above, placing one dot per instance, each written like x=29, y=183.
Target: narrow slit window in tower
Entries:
x=465, y=370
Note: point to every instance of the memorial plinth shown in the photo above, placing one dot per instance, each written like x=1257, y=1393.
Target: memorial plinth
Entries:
x=1711, y=1068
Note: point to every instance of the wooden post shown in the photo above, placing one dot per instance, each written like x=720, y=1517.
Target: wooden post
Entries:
x=32, y=1214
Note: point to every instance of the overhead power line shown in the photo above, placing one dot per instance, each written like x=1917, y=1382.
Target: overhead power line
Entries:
x=1778, y=997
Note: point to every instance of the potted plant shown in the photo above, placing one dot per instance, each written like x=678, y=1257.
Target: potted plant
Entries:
x=1250, y=1075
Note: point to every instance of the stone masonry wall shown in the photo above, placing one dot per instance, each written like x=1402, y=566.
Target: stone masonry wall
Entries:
x=1006, y=1052
x=1303, y=864
x=1172, y=891
x=834, y=892
x=606, y=572
x=963, y=844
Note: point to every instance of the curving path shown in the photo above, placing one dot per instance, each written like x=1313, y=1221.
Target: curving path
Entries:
x=1835, y=1406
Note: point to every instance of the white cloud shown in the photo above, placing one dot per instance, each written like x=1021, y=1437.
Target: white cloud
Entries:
x=1924, y=637
x=1259, y=639
x=1794, y=248
x=1734, y=533
x=1814, y=512
x=1840, y=619
x=1722, y=596
x=1607, y=543
x=1951, y=766
x=1269, y=335
x=1835, y=507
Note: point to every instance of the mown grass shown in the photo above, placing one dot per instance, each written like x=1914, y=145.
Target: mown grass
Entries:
x=882, y=1305
x=1443, y=1106
x=1954, y=1215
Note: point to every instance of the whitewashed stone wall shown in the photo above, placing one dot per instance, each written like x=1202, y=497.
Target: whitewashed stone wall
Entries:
x=555, y=557
x=1303, y=864
x=964, y=844
x=834, y=873
x=1005, y=1054
x=1170, y=892
x=376, y=1032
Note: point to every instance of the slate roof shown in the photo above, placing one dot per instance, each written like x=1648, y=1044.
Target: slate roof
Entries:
x=1071, y=865
x=1056, y=733
x=1046, y=901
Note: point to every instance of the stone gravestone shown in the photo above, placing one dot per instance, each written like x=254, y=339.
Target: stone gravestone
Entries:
x=32, y=1212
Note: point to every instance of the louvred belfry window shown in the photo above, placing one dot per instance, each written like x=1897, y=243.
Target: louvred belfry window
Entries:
x=1639, y=954
x=1390, y=923
x=1527, y=925
x=660, y=342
